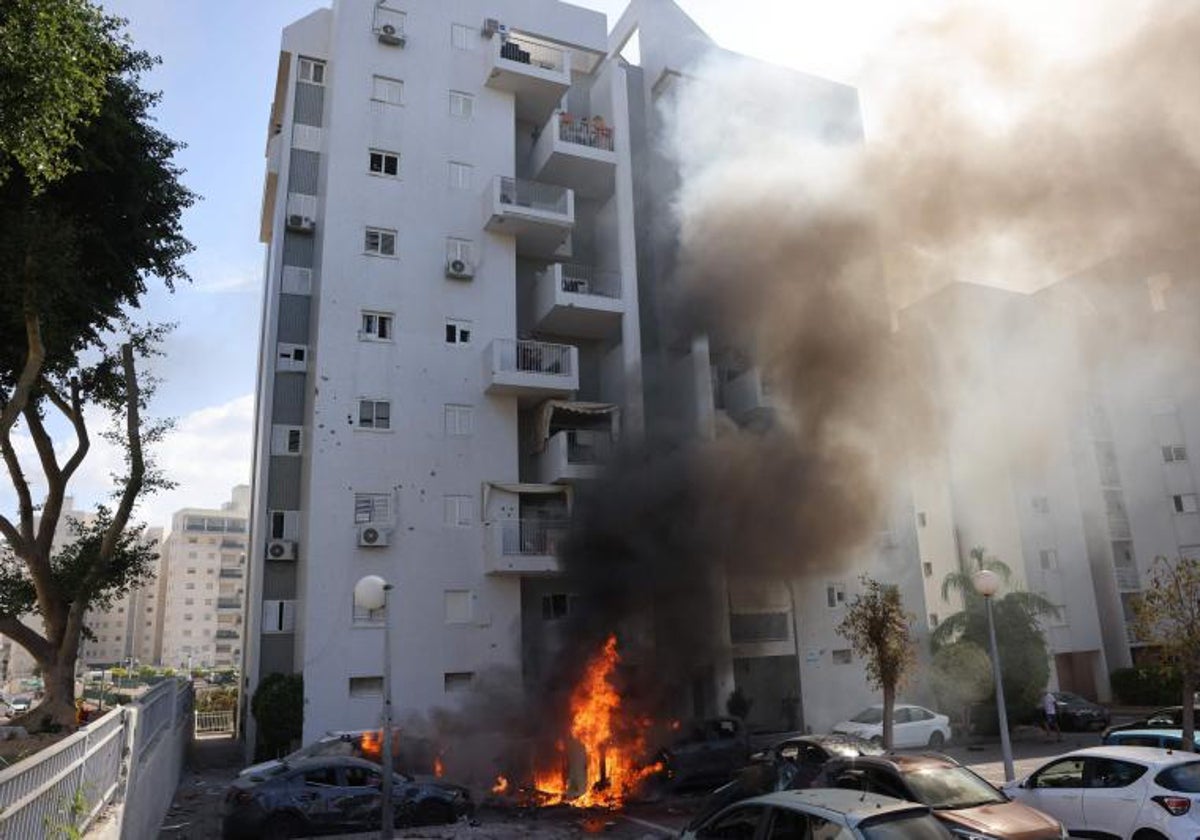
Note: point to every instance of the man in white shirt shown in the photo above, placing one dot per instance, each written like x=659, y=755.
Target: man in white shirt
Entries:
x=1050, y=713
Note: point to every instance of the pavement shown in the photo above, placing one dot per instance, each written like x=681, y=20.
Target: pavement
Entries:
x=195, y=812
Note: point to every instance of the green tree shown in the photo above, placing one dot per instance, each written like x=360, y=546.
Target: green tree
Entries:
x=880, y=631
x=1167, y=615
x=1024, y=657
x=278, y=709
x=55, y=60
x=75, y=255
x=961, y=676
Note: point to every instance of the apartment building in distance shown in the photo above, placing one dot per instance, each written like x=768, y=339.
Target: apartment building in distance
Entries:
x=202, y=600
x=450, y=339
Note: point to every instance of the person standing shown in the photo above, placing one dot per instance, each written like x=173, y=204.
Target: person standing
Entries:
x=1050, y=714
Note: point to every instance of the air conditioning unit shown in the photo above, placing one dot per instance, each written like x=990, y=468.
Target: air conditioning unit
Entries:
x=388, y=34
x=490, y=27
x=281, y=550
x=373, y=536
x=297, y=222
x=459, y=269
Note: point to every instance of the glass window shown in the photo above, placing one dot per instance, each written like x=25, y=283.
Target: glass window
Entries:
x=458, y=332
x=321, y=776
x=374, y=414
x=788, y=825
x=739, y=824
x=460, y=420
x=1186, y=503
x=462, y=37
x=379, y=241
x=362, y=777
x=462, y=105
x=871, y=715
x=1182, y=778
x=1111, y=773
x=383, y=163
x=904, y=826
x=460, y=175
x=312, y=71
x=376, y=326
x=1067, y=773
x=459, y=511
x=951, y=787
x=372, y=507
x=387, y=90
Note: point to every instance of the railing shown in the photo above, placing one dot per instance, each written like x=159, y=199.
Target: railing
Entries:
x=227, y=572
x=517, y=49
x=1127, y=577
x=227, y=634
x=536, y=537
x=211, y=723
x=586, y=280
x=593, y=133
x=550, y=198
x=587, y=446
x=229, y=603
x=534, y=357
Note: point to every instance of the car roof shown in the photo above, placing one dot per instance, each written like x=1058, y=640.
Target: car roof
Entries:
x=327, y=760
x=852, y=804
x=1145, y=755
x=904, y=761
x=1168, y=732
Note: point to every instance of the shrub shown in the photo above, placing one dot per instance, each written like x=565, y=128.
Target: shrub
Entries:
x=1154, y=685
x=278, y=709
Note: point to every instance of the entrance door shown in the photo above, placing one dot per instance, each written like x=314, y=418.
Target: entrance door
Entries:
x=772, y=684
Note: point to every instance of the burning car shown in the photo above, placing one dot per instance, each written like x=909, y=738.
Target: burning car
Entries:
x=706, y=751
x=411, y=753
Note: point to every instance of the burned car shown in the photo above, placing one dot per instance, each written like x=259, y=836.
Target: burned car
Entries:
x=705, y=751
x=409, y=754
x=332, y=795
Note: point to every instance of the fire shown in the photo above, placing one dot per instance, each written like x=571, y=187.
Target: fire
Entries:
x=501, y=786
x=439, y=769
x=371, y=744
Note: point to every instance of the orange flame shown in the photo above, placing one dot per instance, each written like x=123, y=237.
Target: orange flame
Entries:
x=501, y=786
x=371, y=744
x=439, y=769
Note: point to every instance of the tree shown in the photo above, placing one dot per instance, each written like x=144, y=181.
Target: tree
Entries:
x=1024, y=657
x=1167, y=615
x=75, y=254
x=961, y=675
x=880, y=631
x=278, y=709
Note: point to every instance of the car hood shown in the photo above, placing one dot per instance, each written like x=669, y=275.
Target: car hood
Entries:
x=857, y=728
x=430, y=783
x=260, y=768
x=1010, y=820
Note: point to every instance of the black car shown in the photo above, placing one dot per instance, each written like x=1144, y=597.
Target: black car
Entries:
x=1170, y=717
x=332, y=795
x=1078, y=714
x=705, y=752
x=789, y=765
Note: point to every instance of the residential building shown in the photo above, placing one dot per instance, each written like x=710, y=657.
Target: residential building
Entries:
x=124, y=634
x=203, y=597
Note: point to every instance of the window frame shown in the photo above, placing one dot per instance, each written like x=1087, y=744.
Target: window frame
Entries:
x=458, y=411
x=376, y=88
x=384, y=156
x=466, y=111
x=467, y=31
x=1179, y=501
x=457, y=324
x=379, y=318
x=316, y=68
x=455, y=169
x=369, y=503
x=459, y=520
x=383, y=235
x=374, y=426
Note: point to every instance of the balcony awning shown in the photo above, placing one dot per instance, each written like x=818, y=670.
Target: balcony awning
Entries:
x=547, y=410
x=523, y=489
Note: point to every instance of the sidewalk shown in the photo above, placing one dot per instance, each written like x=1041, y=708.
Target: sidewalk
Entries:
x=196, y=810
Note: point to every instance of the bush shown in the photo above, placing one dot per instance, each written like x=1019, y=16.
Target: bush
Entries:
x=1148, y=686
x=278, y=709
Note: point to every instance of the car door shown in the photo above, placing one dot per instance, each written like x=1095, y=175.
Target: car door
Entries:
x=1057, y=788
x=316, y=792
x=358, y=805
x=743, y=823
x=1113, y=796
x=902, y=728
x=788, y=825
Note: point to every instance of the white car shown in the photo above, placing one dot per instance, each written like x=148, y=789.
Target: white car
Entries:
x=825, y=814
x=1124, y=792
x=912, y=726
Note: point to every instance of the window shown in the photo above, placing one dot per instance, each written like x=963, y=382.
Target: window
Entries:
x=1048, y=558
x=278, y=524
x=462, y=37
x=460, y=420
x=376, y=326
x=387, y=90
x=740, y=824
x=842, y=656
x=458, y=332
x=189, y=585
x=460, y=249
x=372, y=507
x=383, y=163
x=927, y=569
x=321, y=777
x=374, y=414
x=789, y=824
x=1067, y=773
x=1182, y=778
x=363, y=776
x=1112, y=773
x=835, y=595
x=455, y=681
x=1041, y=504
x=458, y=606
x=559, y=605
x=459, y=511
x=933, y=620
x=747, y=628
x=191, y=570
x=366, y=686
x=460, y=175
x=1174, y=453
x=1185, y=503
x=187, y=602
x=312, y=71
x=381, y=242
x=279, y=616
x=462, y=105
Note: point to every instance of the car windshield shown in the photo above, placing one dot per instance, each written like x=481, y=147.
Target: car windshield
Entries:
x=945, y=788
x=904, y=826
x=872, y=715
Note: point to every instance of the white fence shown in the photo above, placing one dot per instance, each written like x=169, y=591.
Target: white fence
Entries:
x=213, y=723
x=66, y=785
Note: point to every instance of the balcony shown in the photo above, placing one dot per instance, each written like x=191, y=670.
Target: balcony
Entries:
x=227, y=634
x=523, y=546
x=576, y=152
x=578, y=300
x=748, y=397
x=540, y=216
x=535, y=73
x=531, y=369
x=228, y=572
x=574, y=455
x=229, y=603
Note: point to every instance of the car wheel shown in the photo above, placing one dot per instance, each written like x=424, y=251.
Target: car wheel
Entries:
x=282, y=828
x=433, y=812
x=937, y=739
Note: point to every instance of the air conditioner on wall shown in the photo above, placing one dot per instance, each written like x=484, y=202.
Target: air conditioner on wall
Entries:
x=459, y=269
x=281, y=550
x=373, y=536
x=388, y=34
x=297, y=222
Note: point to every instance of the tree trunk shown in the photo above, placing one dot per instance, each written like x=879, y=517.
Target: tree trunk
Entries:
x=58, y=703
x=1189, y=711
x=889, y=703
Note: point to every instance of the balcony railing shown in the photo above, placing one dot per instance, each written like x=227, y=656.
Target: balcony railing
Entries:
x=518, y=49
x=533, y=537
x=549, y=198
x=227, y=634
x=587, y=446
x=534, y=357
x=229, y=603
x=586, y=280
x=586, y=132
x=227, y=572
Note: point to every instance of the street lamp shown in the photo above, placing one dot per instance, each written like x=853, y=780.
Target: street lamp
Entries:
x=987, y=583
x=371, y=593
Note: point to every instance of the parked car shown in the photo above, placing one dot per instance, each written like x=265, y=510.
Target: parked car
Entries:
x=912, y=726
x=1120, y=792
x=1166, y=739
x=1170, y=717
x=823, y=814
x=791, y=764
x=410, y=753
x=1079, y=714
x=332, y=795
x=965, y=802
x=20, y=704
x=706, y=751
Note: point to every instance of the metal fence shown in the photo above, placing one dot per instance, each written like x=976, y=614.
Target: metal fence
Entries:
x=535, y=195
x=536, y=537
x=586, y=280
x=522, y=51
x=214, y=723
x=534, y=357
x=585, y=132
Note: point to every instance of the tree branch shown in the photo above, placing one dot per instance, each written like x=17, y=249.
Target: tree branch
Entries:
x=35, y=357
x=21, y=535
x=26, y=637
x=73, y=411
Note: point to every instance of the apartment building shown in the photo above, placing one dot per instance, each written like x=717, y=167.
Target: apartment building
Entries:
x=125, y=633
x=450, y=339
x=202, y=603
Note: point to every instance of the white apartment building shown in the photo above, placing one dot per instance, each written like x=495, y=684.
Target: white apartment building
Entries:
x=125, y=633
x=204, y=592
x=450, y=340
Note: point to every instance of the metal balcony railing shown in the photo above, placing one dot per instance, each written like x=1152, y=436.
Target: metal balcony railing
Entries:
x=227, y=572
x=587, y=446
x=227, y=634
x=586, y=132
x=586, y=280
x=229, y=603
x=515, y=48
x=549, y=198
x=535, y=537
x=534, y=357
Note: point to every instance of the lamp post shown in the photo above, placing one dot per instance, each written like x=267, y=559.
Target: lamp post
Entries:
x=371, y=593
x=987, y=583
